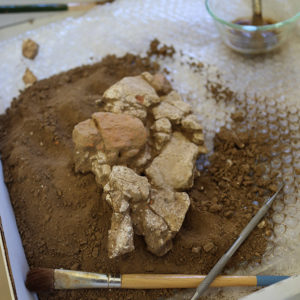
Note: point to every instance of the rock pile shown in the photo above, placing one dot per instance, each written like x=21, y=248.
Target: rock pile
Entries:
x=142, y=149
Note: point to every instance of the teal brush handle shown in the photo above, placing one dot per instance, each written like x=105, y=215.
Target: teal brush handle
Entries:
x=268, y=280
x=32, y=8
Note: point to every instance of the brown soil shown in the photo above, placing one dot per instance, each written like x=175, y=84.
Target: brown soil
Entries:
x=61, y=217
x=156, y=49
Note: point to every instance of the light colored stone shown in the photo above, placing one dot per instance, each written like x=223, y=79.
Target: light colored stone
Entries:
x=202, y=149
x=120, y=235
x=174, y=166
x=158, y=82
x=134, y=187
x=198, y=138
x=191, y=123
x=157, y=235
x=166, y=110
x=134, y=109
x=131, y=95
x=143, y=157
x=132, y=89
x=172, y=207
x=30, y=48
x=28, y=77
x=100, y=157
x=120, y=132
x=172, y=107
x=162, y=125
x=101, y=172
x=161, y=139
x=175, y=99
x=116, y=200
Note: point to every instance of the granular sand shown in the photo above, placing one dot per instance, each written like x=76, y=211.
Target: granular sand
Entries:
x=60, y=215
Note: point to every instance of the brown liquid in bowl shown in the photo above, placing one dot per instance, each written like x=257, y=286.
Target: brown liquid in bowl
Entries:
x=241, y=21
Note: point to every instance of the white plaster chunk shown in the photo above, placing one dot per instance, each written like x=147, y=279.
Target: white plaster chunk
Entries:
x=175, y=99
x=172, y=107
x=133, y=186
x=191, y=123
x=161, y=139
x=117, y=202
x=143, y=157
x=120, y=235
x=174, y=166
x=100, y=157
x=162, y=125
x=101, y=172
x=157, y=235
x=166, y=110
x=131, y=90
x=172, y=207
x=198, y=138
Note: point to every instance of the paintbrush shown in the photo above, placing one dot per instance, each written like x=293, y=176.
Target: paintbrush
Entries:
x=59, y=279
x=4, y=9
x=203, y=286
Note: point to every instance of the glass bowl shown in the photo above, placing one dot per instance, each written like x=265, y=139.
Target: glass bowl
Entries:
x=280, y=17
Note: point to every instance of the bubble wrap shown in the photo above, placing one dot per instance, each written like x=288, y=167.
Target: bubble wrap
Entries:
x=129, y=26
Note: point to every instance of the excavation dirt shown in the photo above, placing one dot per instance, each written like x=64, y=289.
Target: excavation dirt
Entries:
x=61, y=216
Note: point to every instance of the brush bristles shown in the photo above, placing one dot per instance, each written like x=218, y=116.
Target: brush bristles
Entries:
x=40, y=279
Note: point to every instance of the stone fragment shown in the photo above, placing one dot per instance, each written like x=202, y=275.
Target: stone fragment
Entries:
x=131, y=95
x=198, y=138
x=262, y=224
x=129, y=88
x=120, y=132
x=85, y=134
x=191, y=123
x=116, y=200
x=171, y=206
x=28, y=77
x=162, y=125
x=120, y=235
x=95, y=252
x=158, y=82
x=208, y=246
x=142, y=159
x=101, y=172
x=30, y=48
x=202, y=149
x=174, y=166
x=175, y=99
x=161, y=139
x=166, y=110
x=272, y=188
x=172, y=107
x=196, y=249
x=157, y=235
x=135, y=188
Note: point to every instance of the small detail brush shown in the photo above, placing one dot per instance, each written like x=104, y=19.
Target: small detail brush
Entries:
x=215, y=271
x=58, y=279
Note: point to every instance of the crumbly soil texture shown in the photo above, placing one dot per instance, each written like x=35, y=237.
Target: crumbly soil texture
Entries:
x=64, y=222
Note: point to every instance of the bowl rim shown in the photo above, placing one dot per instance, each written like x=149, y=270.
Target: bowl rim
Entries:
x=251, y=27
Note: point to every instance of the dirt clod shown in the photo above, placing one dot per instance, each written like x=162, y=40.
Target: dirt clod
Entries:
x=30, y=49
x=29, y=77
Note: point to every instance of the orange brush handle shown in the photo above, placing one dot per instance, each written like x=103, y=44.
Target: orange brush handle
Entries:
x=165, y=281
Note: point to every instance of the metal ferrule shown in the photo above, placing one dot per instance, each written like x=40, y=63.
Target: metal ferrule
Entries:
x=67, y=279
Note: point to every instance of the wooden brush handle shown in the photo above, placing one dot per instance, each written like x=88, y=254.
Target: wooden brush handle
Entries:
x=165, y=281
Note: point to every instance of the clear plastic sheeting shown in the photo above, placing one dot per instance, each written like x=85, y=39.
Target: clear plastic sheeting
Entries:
x=129, y=26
